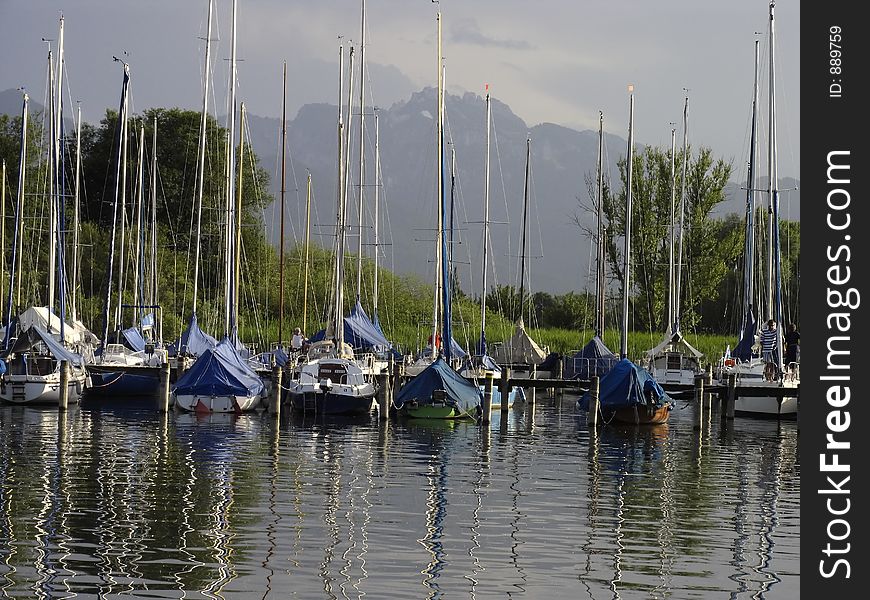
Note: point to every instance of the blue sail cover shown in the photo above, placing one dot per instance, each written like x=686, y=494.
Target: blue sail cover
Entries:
x=32, y=336
x=133, y=339
x=595, y=358
x=359, y=332
x=219, y=371
x=460, y=393
x=626, y=385
x=743, y=349
x=485, y=362
x=194, y=341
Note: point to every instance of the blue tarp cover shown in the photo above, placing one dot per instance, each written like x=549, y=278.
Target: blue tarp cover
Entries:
x=133, y=339
x=460, y=393
x=32, y=336
x=194, y=341
x=595, y=359
x=219, y=371
x=359, y=332
x=626, y=385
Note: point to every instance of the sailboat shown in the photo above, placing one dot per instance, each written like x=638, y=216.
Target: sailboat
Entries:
x=330, y=381
x=520, y=351
x=628, y=393
x=220, y=381
x=438, y=391
x=674, y=359
x=478, y=366
x=744, y=362
x=595, y=358
x=33, y=363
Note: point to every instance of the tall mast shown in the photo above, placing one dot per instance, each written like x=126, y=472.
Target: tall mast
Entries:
x=139, y=273
x=152, y=297
x=57, y=141
x=362, y=170
x=485, y=243
x=52, y=183
x=377, y=241
x=626, y=255
x=677, y=304
x=307, y=245
x=439, y=165
x=339, y=290
x=76, y=201
x=229, y=324
x=599, y=259
x=283, y=206
x=17, y=234
x=3, y=237
x=118, y=184
x=237, y=242
x=749, y=241
x=334, y=323
x=524, y=229
x=671, y=280
x=774, y=201
x=123, y=211
x=446, y=335
x=201, y=176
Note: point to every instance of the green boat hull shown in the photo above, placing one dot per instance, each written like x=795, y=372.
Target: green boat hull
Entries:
x=433, y=411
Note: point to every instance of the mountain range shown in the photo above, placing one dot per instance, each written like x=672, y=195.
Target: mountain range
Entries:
x=561, y=158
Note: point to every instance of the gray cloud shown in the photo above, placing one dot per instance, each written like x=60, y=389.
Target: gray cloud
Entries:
x=466, y=31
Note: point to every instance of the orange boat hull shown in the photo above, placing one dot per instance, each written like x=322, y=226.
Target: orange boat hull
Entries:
x=643, y=415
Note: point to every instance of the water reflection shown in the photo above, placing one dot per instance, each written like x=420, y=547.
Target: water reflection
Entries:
x=123, y=500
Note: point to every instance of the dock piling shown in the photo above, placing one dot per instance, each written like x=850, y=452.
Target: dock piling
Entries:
x=504, y=389
x=487, y=399
x=277, y=383
x=532, y=390
x=699, y=401
x=382, y=396
x=730, y=397
x=560, y=373
x=592, y=419
x=63, y=400
x=163, y=388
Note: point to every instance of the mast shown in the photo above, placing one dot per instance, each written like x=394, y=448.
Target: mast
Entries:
x=57, y=203
x=17, y=234
x=76, y=202
x=122, y=118
x=525, y=229
x=774, y=204
x=123, y=212
x=676, y=323
x=139, y=273
x=52, y=184
x=439, y=190
x=229, y=324
x=334, y=322
x=377, y=242
x=599, y=259
x=485, y=243
x=283, y=208
x=237, y=252
x=202, y=135
x=3, y=238
x=626, y=258
x=152, y=299
x=339, y=290
x=671, y=281
x=749, y=241
x=446, y=322
x=307, y=244
x=362, y=170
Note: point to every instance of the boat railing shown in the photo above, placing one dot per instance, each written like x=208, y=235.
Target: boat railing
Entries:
x=575, y=367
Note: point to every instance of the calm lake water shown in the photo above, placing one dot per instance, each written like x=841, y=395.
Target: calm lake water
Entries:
x=110, y=501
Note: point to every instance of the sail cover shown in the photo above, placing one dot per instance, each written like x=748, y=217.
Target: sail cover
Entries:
x=520, y=348
x=674, y=342
x=595, y=358
x=359, y=332
x=219, y=371
x=34, y=335
x=743, y=349
x=459, y=392
x=194, y=341
x=626, y=385
x=133, y=339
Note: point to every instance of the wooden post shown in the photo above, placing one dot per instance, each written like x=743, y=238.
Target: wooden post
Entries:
x=383, y=380
x=63, y=400
x=533, y=388
x=163, y=388
x=592, y=419
x=486, y=415
x=277, y=382
x=731, y=397
x=560, y=374
x=699, y=401
x=708, y=381
x=504, y=388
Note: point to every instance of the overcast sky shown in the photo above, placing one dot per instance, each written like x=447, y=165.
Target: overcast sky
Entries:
x=557, y=61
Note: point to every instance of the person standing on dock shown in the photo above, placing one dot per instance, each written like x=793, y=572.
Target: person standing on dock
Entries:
x=768, y=350
x=792, y=346
x=297, y=341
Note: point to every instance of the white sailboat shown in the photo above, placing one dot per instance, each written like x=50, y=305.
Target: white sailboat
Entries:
x=747, y=365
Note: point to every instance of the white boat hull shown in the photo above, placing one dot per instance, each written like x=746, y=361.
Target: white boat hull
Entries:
x=41, y=389
x=216, y=404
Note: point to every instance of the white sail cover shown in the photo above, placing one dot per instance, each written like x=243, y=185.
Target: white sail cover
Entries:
x=520, y=348
x=674, y=342
x=44, y=320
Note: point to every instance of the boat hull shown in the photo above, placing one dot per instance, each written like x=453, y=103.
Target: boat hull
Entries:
x=414, y=410
x=123, y=381
x=41, y=390
x=766, y=407
x=330, y=403
x=216, y=404
x=642, y=415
